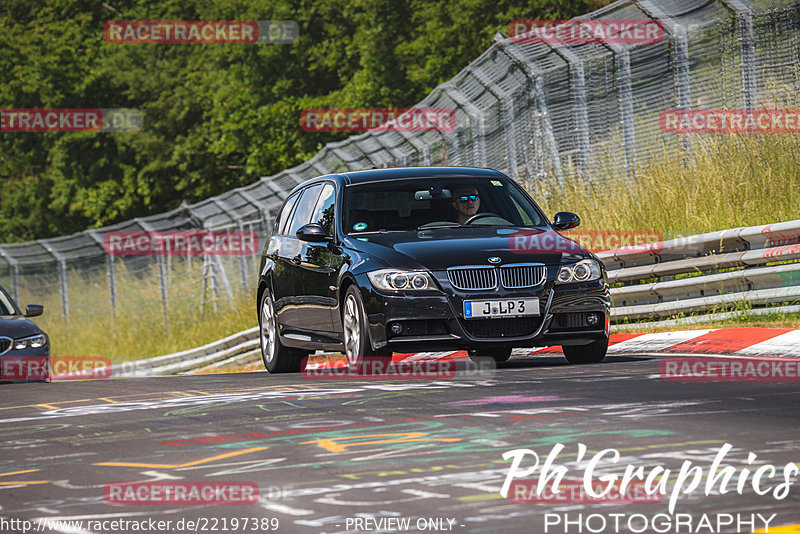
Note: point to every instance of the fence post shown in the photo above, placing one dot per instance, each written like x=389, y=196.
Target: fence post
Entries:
x=545, y=127
x=112, y=278
x=747, y=43
x=683, y=81
x=476, y=116
x=14, y=270
x=162, y=275
x=422, y=148
x=238, y=222
x=62, y=276
x=506, y=101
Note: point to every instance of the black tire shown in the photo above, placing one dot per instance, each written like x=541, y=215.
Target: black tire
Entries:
x=276, y=357
x=358, y=349
x=497, y=355
x=592, y=353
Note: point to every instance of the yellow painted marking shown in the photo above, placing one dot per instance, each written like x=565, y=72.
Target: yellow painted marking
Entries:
x=25, y=482
x=19, y=472
x=200, y=392
x=333, y=445
x=480, y=497
x=48, y=406
x=182, y=393
x=188, y=464
x=785, y=529
x=108, y=400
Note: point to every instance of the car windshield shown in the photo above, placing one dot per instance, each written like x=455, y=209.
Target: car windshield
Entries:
x=420, y=203
x=5, y=305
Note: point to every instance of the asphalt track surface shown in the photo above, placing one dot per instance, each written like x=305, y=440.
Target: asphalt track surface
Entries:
x=328, y=453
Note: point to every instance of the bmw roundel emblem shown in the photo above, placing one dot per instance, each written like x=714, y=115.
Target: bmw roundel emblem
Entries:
x=494, y=260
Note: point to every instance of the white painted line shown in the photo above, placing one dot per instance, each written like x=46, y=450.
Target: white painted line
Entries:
x=715, y=356
x=787, y=344
x=656, y=341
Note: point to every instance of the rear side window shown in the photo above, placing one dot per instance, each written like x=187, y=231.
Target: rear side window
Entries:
x=323, y=212
x=304, y=208
x=283, y=218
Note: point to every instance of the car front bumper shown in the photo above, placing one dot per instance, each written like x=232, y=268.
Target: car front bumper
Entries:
x=436, y=322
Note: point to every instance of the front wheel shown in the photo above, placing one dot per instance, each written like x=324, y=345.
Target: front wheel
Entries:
x=276, y=357
x=358, y=349
x=592, y=353
x=495, y=355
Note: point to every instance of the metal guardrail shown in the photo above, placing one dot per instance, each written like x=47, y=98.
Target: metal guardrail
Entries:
x=707, y=272
x=747, y=251
x=192, y=359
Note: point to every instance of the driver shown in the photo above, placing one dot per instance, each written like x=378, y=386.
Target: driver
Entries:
x=466, y=202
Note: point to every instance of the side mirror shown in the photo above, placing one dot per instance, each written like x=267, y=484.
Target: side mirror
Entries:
x=32, y=310
x=313, y=233
x=565, y=220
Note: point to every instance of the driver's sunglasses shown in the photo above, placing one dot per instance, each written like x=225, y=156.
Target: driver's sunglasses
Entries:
x=467, y=198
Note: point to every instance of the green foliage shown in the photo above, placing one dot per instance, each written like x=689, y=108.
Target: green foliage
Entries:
x=216, y=116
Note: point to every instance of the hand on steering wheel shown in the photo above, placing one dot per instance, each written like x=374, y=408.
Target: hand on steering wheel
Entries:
x=480, y=216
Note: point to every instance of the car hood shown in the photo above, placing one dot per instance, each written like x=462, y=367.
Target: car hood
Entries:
x=16, y=326
x=438, y=249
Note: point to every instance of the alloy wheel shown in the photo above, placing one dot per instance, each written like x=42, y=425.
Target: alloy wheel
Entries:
x=268, y=330
x=352, y=331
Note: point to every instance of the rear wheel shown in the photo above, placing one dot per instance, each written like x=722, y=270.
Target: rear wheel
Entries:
x=358, y=349
x=591, y=353
x=496, y=355
x=276, y=357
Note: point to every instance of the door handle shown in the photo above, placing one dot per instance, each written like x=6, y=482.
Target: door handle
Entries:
x=297, y=260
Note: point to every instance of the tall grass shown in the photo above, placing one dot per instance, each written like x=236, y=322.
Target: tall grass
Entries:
x=139, y=326
x=729, y=181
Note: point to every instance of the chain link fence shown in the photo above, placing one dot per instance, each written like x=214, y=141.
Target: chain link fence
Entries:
x=531, y=109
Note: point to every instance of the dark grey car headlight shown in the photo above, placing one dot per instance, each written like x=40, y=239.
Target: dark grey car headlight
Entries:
x=583, y=271
x=398, y=280
x=33, y=342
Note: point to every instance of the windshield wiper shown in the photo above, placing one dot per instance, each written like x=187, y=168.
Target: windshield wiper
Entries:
x=442, y=225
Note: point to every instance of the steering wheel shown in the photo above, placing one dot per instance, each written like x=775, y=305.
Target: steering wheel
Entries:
x=482, y=215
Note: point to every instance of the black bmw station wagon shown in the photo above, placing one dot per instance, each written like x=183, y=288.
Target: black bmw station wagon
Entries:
x=425, y=259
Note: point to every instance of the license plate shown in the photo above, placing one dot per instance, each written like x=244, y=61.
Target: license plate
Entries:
x=478, y=309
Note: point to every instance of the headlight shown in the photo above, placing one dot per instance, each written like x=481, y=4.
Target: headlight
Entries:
x=583, y=271
x=394, y=280
x=33, y=342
